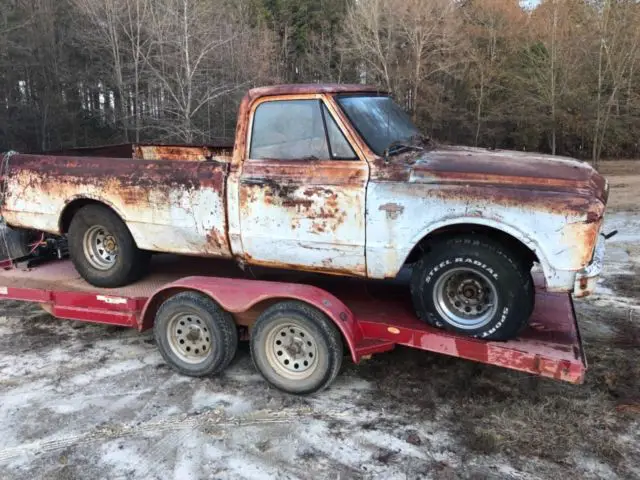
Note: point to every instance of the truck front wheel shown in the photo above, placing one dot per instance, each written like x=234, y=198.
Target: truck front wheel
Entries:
x=473, y=285
x=102, y=249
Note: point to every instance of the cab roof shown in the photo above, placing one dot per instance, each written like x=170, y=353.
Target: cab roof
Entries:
x=304, y=88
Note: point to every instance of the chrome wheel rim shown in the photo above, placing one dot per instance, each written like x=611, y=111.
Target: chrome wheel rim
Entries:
x=189, y=338
x=292, y=351
x=465, y=298
x=100, y=247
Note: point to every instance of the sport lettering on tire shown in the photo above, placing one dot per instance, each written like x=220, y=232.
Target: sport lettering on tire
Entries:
x=503, y=318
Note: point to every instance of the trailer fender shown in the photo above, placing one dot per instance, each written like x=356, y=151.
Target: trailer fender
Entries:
x=239, y=295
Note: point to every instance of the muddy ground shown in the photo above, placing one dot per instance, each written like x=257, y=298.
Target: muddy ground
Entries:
x=89, y=401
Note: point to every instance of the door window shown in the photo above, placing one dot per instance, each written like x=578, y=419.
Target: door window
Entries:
x=297, y=130
x=289, y=130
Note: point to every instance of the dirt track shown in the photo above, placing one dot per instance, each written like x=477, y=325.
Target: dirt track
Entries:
x=88, y=401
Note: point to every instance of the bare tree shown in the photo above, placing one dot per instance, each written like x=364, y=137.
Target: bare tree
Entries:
x=373, y=29
x=134, y=25
x=491, y=28
x=431, y=31
x=106, y=17
x=618, y=45
x=187, y=35
x=550, y=71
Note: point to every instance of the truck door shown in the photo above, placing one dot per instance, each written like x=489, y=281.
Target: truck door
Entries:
x=302, y=189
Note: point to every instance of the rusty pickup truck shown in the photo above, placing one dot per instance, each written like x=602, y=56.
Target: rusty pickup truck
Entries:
x=333, y=179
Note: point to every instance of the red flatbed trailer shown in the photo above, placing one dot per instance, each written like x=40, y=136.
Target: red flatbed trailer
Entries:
x=372, y=317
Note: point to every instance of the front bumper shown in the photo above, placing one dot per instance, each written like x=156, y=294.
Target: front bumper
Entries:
x=587, y=278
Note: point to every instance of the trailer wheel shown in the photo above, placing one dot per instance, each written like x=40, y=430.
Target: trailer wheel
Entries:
x=103, y=250
x=472, y=285
x=195, y=336
x=296, y=348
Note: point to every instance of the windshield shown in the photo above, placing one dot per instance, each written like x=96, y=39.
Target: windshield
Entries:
x=379, y=120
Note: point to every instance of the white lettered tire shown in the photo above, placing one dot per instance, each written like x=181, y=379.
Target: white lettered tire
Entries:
x=473, y=285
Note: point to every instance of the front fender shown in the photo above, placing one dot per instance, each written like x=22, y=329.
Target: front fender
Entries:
x=399, y=216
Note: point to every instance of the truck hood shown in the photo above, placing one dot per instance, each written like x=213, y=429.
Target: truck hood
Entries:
x=507, y=168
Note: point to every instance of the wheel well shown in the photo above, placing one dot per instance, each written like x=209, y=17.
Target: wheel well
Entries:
x=72, y=208
x=509, y=241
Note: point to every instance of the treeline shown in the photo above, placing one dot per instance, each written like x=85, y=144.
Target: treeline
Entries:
x=561, y=78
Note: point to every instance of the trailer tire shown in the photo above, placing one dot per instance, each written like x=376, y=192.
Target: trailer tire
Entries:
x=473, y=285
x=195, y=335
x=95, y=228
x=296, y=348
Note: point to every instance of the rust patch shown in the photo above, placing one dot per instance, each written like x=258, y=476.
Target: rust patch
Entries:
x=358, y=271
x=318, y=204
x=183, y=153
x=296, y=202
x=327, y=263
x=279, y=191
x=508, y=169
x=115, y=173
x=318, y=227
x=393, y=210
x=552, y=201
x=310, y=191
x=395, y=170
x=216, y=239
x=593, y=216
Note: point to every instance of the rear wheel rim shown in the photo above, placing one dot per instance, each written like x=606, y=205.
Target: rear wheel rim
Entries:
x=189, y=338
x=465, y=298
x=100, y=247
x=292, y=351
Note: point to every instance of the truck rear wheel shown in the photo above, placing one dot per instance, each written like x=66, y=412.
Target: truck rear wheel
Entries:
x=103, y=250
x=296, y=348
x=195, y=335
x=473, y=285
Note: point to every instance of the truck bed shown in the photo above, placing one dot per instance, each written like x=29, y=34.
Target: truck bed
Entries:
x=550, y=346
x=168, y=205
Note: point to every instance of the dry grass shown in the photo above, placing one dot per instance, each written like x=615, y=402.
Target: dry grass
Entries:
x=624, y=181
x=619, y=167
x=500, y=412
